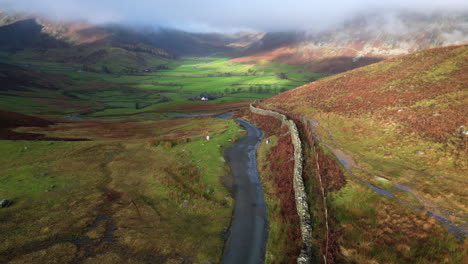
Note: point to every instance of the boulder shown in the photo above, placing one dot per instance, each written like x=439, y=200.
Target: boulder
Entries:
x=419, y=152
x=5, y=203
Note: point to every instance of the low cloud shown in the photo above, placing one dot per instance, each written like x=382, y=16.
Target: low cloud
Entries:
x=216, y=15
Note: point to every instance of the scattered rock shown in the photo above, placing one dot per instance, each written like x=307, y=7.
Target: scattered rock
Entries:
x=51, y=186
x=400, y=110
x=229, y=140
x=5, y=203
x=185, y=203
x=25, y=148
x=50, y=143
x=381, y=178
x=419, y=152
x=268, y=141
x=208, y=138
x=436, y=114
x=388, y=154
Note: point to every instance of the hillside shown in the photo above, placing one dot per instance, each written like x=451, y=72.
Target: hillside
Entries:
x=398, y=130
x=425, y=92
x=354, y=43
x=100, y=48
x=360, y=41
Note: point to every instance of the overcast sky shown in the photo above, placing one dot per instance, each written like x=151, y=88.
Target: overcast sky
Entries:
x=224, y=15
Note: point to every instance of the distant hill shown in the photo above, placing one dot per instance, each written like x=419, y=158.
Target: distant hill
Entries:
x=360, y=41
x=113, y=48
x=116, y=48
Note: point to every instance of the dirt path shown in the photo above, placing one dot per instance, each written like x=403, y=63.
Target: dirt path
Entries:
x=248, y=232
x=348, y=163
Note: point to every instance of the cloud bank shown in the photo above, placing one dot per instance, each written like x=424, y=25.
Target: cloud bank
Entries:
x=224, y=15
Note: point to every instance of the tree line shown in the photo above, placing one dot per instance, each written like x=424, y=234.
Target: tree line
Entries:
x=256, y=88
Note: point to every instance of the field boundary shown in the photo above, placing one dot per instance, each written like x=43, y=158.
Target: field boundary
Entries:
x=298, y=184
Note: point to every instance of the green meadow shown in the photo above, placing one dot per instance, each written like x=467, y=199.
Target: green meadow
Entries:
x=88, y=94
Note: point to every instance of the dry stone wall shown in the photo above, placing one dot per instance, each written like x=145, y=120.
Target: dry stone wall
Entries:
x=298, y=184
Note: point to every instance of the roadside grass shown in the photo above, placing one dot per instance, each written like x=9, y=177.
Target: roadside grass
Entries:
x=277, y=235
x=275, y=168
x=149, y=194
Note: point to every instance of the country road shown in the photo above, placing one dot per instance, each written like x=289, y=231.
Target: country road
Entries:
x=248, y=232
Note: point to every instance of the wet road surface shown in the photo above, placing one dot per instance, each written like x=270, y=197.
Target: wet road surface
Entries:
x=248, y=233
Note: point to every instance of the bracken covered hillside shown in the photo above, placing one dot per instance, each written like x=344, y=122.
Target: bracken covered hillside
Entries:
x=363, y=40
x=426, y=92
x=399, y=131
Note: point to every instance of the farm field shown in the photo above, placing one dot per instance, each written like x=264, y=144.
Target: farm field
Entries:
x=90, y=94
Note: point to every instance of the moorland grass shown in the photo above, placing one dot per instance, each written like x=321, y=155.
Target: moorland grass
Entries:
x=120, y=197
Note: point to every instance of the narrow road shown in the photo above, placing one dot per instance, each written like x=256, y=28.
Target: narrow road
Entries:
x=248, y=233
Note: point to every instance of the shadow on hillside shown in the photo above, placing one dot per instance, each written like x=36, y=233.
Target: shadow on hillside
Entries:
x=26, y=34
x=336, y=64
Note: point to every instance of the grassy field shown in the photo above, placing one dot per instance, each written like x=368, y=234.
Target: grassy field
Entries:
x=61, y=89
x=139, y=191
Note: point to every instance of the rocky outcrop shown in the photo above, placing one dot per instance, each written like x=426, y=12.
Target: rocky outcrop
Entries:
x=299, y=187
x=5, y=203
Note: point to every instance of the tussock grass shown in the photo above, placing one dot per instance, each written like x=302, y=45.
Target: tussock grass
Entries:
x=118, y=197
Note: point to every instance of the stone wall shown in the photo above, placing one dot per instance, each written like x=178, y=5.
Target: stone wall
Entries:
x=299, y=188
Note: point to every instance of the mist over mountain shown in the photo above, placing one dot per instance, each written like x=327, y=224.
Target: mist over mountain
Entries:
x=226, y=16
x=362, y=40
x=210, y=131
x=354, y=42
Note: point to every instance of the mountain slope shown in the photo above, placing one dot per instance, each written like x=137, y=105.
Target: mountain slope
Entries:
x=425, y=91
x=399, y=130
x=361, y=41
x=110, y=48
